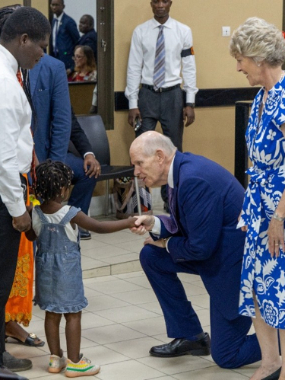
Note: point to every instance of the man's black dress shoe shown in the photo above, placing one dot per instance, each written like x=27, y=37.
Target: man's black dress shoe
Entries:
x=179, y=347
x=14, y=364
x=84, y=235
x=274, y=376
x=5, y=373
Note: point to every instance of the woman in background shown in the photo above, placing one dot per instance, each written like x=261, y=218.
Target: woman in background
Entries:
x=85, y=65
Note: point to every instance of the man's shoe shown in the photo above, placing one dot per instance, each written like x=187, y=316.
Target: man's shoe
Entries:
x=5, y=373
x=14, y=364
x=84, y=235
x=179, y=347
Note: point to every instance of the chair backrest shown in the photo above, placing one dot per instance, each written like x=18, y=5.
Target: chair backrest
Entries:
x=95, y=131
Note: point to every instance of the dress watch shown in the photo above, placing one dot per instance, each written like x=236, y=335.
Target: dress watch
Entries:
x=192, y=105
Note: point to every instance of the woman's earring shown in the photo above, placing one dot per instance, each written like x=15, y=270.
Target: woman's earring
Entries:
x=62, y=196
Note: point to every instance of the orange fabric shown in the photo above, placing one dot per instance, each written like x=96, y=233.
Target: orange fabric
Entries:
x=19, y=305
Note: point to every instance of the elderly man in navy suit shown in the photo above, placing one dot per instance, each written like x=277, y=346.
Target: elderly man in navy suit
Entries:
x=199, y=237
x=64, y=35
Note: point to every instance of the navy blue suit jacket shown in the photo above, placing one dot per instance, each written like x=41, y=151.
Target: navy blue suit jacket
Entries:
x=67, y=38
x=50, y=96
x=89, y=39
x=208, y=201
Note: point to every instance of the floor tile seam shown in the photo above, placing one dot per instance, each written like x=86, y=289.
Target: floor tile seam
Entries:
x=188, y=370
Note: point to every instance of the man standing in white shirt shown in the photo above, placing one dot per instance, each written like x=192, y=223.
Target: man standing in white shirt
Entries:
x=24, y=37
x=163, y=102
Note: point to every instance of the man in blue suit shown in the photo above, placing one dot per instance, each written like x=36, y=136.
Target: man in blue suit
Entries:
x=89, y=36
x=54, y=124
x=199, y=237
x=64, y=35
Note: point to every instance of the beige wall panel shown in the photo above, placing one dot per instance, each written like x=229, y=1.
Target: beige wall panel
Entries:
x=212, y=134
x=41, y=5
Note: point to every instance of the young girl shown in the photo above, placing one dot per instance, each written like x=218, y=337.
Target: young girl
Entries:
x=59, y=285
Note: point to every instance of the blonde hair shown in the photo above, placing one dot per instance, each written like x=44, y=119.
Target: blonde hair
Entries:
x=259, y=40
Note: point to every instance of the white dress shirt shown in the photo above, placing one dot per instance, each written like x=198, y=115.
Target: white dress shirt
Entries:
x=157, y=223
x=16, y=142
x=56, y=28
x=177, y=37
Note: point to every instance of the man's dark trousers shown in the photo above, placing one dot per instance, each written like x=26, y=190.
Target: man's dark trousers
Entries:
x=165, y=107
x=82, y=191
x=231, y=347
x=10, y=240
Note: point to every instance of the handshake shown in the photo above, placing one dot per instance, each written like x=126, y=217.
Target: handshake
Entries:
x=145, y=223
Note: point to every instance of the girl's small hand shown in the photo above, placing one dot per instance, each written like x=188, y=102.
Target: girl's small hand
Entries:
x=276, y=237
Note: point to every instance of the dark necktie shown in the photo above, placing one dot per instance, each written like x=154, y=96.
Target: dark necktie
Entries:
x=159, y=63
x=170, y=223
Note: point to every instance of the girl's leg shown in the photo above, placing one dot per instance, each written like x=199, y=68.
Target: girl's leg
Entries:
x=73, y=335
x=52, y=322
x=268, y=340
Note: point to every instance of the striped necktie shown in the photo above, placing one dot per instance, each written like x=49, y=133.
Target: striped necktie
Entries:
x=159, y=63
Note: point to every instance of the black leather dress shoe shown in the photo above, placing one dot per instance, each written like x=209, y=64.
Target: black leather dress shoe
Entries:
x=5, y=373
x=274, y=376
x=179, y=347
x=84, y=235
x=14, y=364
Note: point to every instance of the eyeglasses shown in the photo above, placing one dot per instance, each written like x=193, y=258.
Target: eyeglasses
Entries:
x=78, y=56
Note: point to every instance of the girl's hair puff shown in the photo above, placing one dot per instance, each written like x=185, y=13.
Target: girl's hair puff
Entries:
x=52, y=177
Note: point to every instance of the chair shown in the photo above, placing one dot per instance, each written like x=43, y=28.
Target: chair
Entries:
x=96, y=133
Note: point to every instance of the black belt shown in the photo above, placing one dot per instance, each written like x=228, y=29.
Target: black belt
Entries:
x=160, y=89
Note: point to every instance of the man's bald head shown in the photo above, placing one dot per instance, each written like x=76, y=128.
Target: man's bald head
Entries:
x=150, y=142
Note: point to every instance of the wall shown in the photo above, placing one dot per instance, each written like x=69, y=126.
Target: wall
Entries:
x=212, y=134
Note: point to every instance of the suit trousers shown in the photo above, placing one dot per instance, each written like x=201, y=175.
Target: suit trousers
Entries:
x=165, y=107
x=10, y=240
x=83, y=185
x=231, y=347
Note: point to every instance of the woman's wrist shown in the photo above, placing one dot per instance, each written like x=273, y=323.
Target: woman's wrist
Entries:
x=278, y=217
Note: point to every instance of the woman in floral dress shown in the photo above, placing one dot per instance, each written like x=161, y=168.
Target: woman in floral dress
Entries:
x=259, y=49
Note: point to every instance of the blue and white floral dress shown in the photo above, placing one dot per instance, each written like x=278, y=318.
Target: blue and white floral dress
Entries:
x=266, y=147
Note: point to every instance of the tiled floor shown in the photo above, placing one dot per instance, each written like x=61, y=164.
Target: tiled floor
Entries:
x=123, y=320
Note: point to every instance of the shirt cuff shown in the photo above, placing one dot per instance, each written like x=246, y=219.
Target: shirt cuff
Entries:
x=190, y=98
x=133, y=103
x=16, y=209
x=166, y=245
x=85, y=154
x=156, y=229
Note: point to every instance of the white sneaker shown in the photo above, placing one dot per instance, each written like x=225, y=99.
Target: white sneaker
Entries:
x=82, y=368
x=56, y=364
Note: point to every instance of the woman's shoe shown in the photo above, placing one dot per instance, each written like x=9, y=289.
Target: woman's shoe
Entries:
x=274, y=376
x=32, y=340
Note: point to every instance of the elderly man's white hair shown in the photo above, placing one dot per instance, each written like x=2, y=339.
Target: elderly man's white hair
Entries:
x=151, y=141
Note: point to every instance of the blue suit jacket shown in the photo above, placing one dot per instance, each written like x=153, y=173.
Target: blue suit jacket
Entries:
x=208, y=201
x=50, y=96
x=89, y=39
x=67, y=38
